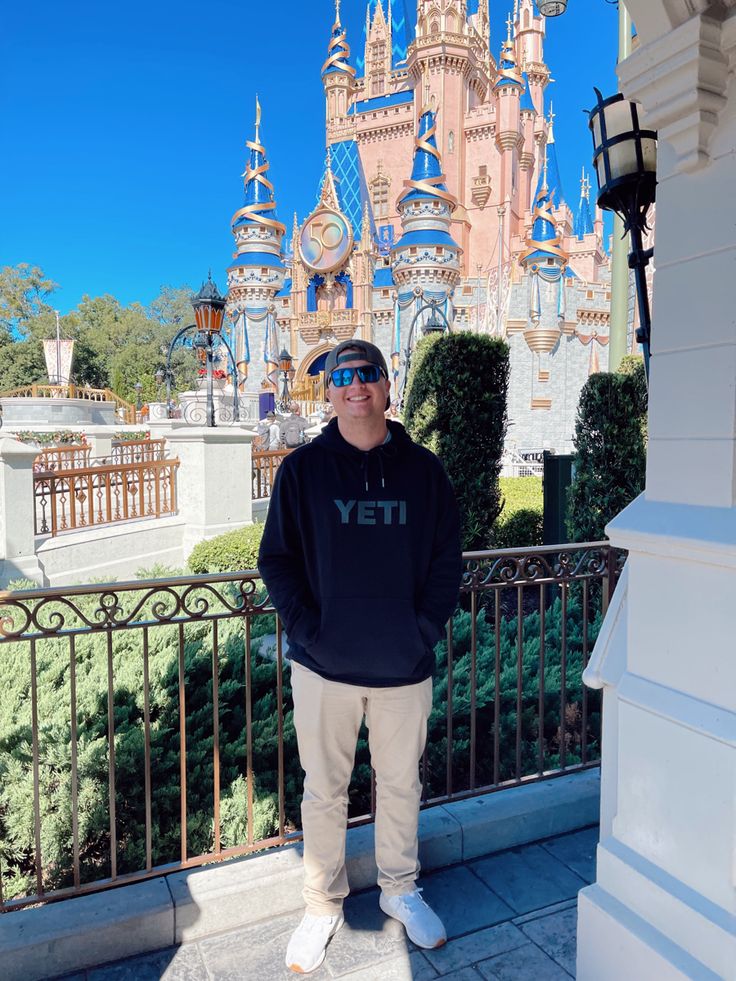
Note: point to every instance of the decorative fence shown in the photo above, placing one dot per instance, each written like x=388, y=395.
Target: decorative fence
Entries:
x=138, y=450
x=81, y=497
x=36, y=391
x=63, y=458
x=147, y=726
x=265, y=465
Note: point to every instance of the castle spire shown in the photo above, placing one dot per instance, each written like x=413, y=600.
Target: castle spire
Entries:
x=544, y=241
x=260, y=203
x=427, y=179
x=583, y=222
x=338, y=50
x=508, y=71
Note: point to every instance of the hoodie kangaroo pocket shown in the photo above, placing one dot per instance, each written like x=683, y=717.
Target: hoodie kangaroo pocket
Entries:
x=369, y=637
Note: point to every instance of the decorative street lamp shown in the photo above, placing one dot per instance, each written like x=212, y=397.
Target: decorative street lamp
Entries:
x=209, y=310
x=286, y=367
x=551, y=8
x=431, y=326
x=625, y=161
x=138, y=403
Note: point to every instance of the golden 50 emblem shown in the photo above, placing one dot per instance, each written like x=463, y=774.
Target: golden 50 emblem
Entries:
x=326, y=240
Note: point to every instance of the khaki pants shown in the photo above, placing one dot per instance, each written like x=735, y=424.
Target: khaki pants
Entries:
x=327, y=718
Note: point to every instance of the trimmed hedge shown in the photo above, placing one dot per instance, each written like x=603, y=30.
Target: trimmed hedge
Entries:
x=610, y=453
x=231, y=552
x=519, y=525
x=456, y=407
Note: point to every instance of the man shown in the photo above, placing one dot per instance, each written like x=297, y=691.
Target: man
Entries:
x=361, y=557
x=291, y=430
x=268, y=433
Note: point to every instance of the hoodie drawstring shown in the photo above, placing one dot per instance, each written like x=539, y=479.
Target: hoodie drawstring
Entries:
x=364, y=469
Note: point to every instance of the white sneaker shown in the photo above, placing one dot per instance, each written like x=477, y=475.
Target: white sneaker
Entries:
x=306, y=949
x=423, y=926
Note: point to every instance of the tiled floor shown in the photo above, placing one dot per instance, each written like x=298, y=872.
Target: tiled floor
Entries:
x=510, y=917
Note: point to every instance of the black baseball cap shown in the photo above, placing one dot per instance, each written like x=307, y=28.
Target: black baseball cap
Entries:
x=355, y=350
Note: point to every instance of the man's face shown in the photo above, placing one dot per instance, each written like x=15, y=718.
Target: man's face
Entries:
x=359, y=400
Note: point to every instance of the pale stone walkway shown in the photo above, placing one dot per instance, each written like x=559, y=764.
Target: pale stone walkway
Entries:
x=509, y=917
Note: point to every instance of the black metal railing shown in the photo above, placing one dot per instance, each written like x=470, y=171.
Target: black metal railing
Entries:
x=147, y=726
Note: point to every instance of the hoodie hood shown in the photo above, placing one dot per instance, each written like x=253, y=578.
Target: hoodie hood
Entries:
x=375, y=464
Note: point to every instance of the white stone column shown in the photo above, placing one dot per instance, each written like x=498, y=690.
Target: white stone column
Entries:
x=17, y=534
x=664, y=903
x=214, y=482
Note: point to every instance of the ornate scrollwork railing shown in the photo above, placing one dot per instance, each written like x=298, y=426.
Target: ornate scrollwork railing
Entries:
x=179, y=686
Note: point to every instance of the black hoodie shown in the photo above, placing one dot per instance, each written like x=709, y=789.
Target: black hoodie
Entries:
x=361, y=557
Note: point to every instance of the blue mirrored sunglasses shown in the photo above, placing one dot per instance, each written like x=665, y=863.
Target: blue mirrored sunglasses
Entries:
x=367, y=373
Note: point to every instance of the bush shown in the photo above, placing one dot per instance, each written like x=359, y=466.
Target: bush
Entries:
x=456, y=406
x=610, y=457
x=519, y=525
x=521, y=529
x=231, y=552
x=521, y=492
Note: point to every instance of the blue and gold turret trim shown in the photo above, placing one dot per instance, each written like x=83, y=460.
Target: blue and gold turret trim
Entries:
x=338, y=50
x=427, y=179
x=508, y=72
x=544, y=241
x=260, y=206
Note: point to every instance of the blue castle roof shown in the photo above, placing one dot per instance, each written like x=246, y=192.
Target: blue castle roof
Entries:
x=426, y=165
x=426, y=236
x=526, y=96
x=267, y=259
x=382, y=102
x=583, y=224
x=350, y=184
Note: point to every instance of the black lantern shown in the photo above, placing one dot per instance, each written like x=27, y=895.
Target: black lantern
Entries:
x=288, y=371
x=434, y=325
x=625, y=161
x=551, y=8
x=209, y=311
x=209, y=307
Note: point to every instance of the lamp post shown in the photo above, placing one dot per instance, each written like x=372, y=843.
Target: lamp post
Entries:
x=286, y=367
x=166, y=375
x=138, y=403
x=209, y=309
x=433, y=325
x=625, y=161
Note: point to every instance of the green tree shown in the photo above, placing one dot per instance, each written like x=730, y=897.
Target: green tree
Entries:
x=21, y=363
x=24, y=290
x=456, y=406
x=610, y=453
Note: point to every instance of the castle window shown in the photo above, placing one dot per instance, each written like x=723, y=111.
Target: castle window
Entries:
x=379, y=195
x=483, y=170
x=379, y=51
x=451, y=142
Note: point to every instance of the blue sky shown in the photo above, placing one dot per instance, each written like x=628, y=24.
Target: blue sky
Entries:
x=124, y=127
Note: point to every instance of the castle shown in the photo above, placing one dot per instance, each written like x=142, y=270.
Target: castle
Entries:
x=440, y=206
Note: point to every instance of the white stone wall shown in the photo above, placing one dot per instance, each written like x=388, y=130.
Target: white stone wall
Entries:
x=664, y=902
